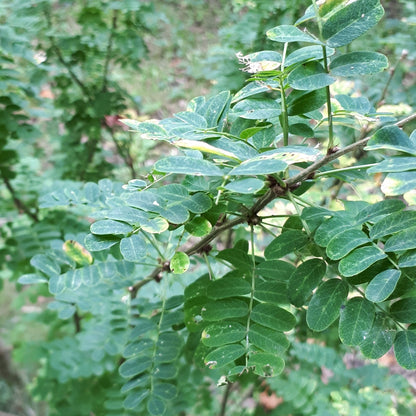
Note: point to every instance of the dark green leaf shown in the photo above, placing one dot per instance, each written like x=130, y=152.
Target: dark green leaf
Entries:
x=344, y=242
x=271, y=291
x=380, y=209
x=273, y=317
x=275, y=270
x=356, y=320
x=325, y=305
x=224, y=355
x=287, y=33
x=301, y=102
x=391, y=138
x=359, y=260
x=394, y=223
x=382, y=285
x=156, y=406
x=219, y=334
x=268, y=340
x=307, y=53
x=286, y=243
x=408, y=259
x=228, y=287
x=403, y=240
x=404, y=310
x=379, y=339
x=135, y=398
x=266, y=365
x=358, y=63
x=224, y=309
x=257, y=108
x=304, y=280
x=309, y=76
x=135, y=366
x=405, y=349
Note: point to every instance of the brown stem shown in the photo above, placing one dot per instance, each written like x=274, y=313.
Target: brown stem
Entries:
x=225, y=399
x=20, y=205
x=77, y=322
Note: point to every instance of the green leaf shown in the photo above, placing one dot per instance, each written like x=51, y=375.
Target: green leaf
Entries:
x=405, y=349
x=268, y=340
x=198, y=226
x=166, y=391
x=275, y=270
x=133, y=248
x=260, y=165
x=382, y=285
x=45, y=264
x=324, y=307
x=77, y=252
x=399, y=183
x=156, y=406
x=266, y=365
x=187, y=166
x=356, y=320
x=403, y=240
x=215, y=107
x=219, y=334
x=228, y=287
x=147, y=129
x=397, y=221
x=253, y=88
x=224, y=355
x=168, y=347
x=257, y=108
x=307, y=53
x=344, y=242
x=331, y=227
x=379, y=339
x=206, y=148
x=31, y=278
x=135, y=398
x=110, y=227
x=408, y=259
x=134, y=366
x=224, y=309
x=380, y=209
x=271, y=291
x=179, y=263
x=309, y=76
x=288, y=33
x=286, y=243
x=358, y=63
x=98, y=243
x=301, y=102
x=271, y=316
x=394, y=164
x=360, y=105
x=391, y=138
x=245, y=186
x=304, y=280
x=359, y=260
x=351, y=21
x=404, y=310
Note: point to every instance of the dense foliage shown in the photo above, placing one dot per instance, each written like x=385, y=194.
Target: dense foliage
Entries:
x=278, y=231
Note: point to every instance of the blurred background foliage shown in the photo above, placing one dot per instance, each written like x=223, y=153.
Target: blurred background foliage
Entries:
x=69, y=69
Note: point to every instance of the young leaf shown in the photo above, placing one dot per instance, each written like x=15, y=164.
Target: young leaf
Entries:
x=179, y=263
x=77, y=252
x=325, y=305
x=356, y=320
x=382, y=285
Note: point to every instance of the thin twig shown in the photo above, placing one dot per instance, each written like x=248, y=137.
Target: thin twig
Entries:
x=109, y=50
x=225, y=399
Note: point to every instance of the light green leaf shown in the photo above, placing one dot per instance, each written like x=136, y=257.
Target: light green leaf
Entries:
x=307, y=53
x=325, y=305
x=147, y=129
x=301, y=102
x=266, y=365
x=331, y=227
x=133, y=248
x=360, y=105
x=77, y=252
x=135, y=398
x=404, y=240
x=309, y=76
x=404, y=310
x=344, y=242
x=382, y=285
x=179, y=263
x=224, y=309
x=215, y=107
x=260, y=165
x=288, y=33
x=257, y=108
x=224, y=355
x=228, y=287
x=394, y=164
x=268, y=340
x=110, y=227
x=379, y=339
x=206, y=148
x=405, y=349
x=188, y=166
x=218, y=334
x=356, y=320
x=45, y=264
x=399, y=183
x=245, y=186
x=31, y=278
x=168, y=347
x=98, y=243
x=271, y=316
x=397, y=221
x=408, y=259
x=143, y=346
x=198, y=226
x=304, y=280
x=166, y=391
x=380, y=209
x=134, y=366
x=286, y=243
x=358, y=63
x=156, y=406
x=359, y=260
x=351, y=21
x=253, y=88
x=391, y=138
